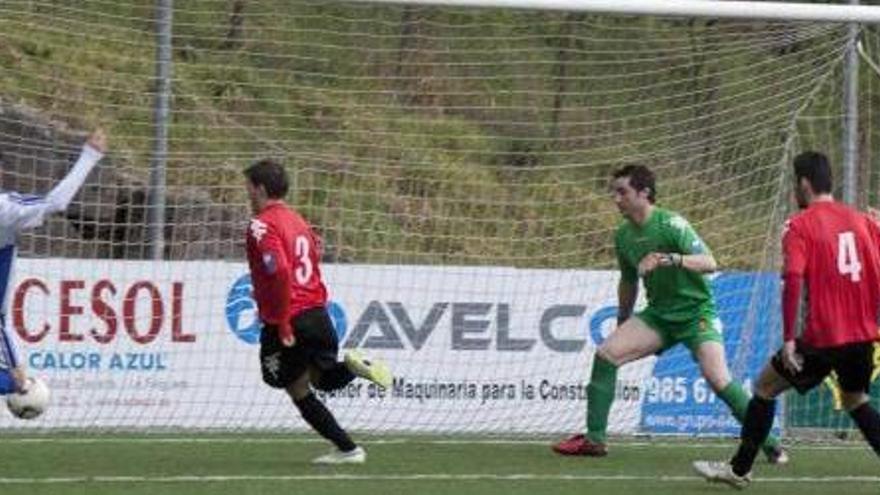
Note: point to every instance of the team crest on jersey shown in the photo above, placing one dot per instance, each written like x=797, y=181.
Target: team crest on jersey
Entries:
x=269, y=263
x=785, y=227
x=258, y=229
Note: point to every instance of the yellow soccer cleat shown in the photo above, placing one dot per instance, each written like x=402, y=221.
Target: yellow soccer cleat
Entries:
x=374, y=370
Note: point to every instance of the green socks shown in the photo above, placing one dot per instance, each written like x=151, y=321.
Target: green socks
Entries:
x=738, y=401
x=600, y=396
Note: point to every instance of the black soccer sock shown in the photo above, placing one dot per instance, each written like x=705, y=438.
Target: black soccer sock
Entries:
x=868, y=421
x=321, y=419
x=756, y=426
x=335, y=378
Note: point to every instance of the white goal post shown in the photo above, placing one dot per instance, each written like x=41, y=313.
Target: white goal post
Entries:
x=687, y=8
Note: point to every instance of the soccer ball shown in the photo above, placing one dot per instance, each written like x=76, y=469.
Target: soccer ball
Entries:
x=30, y=403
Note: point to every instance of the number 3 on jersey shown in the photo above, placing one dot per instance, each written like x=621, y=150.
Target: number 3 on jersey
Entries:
x=304, y=269
x=848, y=256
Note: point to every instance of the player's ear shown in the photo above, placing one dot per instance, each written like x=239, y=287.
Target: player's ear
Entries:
x=803, y=184
x=261, y=191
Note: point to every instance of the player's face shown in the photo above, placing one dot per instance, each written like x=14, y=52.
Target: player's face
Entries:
x=627, y=199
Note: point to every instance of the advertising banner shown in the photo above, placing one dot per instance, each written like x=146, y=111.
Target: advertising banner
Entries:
x=473, y=349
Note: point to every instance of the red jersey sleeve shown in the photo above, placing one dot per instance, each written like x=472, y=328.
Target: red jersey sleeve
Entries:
x=794, y=251
x=275, y=269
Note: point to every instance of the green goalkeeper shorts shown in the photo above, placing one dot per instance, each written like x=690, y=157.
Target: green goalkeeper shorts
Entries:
x=705, y=326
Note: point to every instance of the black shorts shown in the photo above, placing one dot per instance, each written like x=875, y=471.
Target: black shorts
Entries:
x=316, y=345
x=853, y=364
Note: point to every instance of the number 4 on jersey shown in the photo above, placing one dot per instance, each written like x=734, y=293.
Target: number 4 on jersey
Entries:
x=848, y=256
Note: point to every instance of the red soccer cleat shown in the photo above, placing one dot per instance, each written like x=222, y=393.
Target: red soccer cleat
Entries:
x=580, y=445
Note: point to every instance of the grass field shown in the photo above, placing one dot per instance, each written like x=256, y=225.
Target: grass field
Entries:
x=250, y=464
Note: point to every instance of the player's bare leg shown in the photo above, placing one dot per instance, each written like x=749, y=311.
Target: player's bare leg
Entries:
x=632, y=340
x=713, y=366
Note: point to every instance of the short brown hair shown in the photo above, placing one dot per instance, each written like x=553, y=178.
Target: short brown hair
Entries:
x=271, y=175
x=640, y=178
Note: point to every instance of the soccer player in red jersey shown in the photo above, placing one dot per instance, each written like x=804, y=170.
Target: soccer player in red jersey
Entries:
x=298, y=344
x=832, y=254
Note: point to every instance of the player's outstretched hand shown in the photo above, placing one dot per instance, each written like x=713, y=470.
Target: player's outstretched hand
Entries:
x=285, y=333
x=98, y=140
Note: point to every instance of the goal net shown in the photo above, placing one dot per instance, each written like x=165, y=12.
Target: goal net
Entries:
x=455, y=162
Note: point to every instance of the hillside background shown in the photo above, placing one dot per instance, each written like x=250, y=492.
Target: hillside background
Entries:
x=422, y=135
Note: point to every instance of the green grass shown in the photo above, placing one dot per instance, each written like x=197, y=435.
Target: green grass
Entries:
x=239, y=464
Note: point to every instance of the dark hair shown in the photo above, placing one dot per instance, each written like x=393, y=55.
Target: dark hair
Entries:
x=814, y=167
x=271, y=175
x=640, y=178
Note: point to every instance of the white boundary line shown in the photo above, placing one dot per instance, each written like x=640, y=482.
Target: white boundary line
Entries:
x=413, y=477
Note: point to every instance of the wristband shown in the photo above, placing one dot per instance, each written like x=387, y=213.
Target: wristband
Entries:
x=670, y=259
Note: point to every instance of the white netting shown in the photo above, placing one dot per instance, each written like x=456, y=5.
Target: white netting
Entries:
x=455, y=162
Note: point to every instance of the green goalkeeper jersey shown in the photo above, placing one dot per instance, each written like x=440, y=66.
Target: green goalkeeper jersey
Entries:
x=674, y=293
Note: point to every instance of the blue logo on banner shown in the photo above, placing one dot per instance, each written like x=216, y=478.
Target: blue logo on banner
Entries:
x=677, y=398
x=598, y=329
x=340, y=322
x=244, y=320
x=241, y=311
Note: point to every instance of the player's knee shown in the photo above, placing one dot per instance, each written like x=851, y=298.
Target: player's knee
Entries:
x=607, y=354
x=299, y=388
x=853, y=400
x=763, y=391
x=766, y=388
x=717, y=382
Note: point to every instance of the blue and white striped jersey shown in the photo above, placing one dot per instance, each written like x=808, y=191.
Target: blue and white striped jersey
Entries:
x=21, y=211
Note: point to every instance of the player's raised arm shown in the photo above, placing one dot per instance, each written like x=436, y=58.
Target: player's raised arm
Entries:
x=92, y=152
x=19, y=211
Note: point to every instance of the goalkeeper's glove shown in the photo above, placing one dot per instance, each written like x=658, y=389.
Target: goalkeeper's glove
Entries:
x=285, y=333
